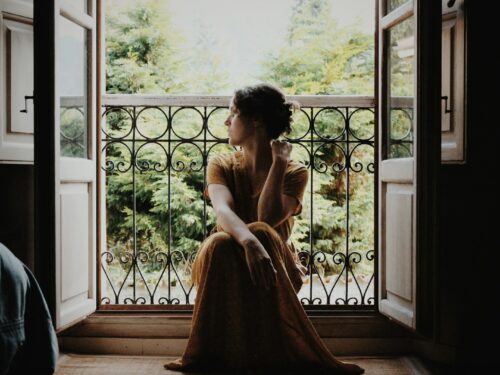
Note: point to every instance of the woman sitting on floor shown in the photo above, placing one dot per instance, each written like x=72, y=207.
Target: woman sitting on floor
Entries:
x=247, y=315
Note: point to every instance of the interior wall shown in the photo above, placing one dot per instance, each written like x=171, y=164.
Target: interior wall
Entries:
x=17, y=211
x=467, y=270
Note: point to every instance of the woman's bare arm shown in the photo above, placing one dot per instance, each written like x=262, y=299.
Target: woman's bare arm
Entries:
x=223, y=204
x=262, y=271
x=270, y=206
x=274, y=207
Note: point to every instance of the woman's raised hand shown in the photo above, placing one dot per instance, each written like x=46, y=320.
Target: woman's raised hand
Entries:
x=262, y=271
x=281, y=150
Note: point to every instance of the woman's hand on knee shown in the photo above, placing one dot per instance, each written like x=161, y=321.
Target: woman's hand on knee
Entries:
x=260, y=265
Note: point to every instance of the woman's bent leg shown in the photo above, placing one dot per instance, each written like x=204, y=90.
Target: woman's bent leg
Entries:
x=218, y=336
x=237, y=325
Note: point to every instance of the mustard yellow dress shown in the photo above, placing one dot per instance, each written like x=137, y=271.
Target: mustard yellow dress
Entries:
x=238, y=328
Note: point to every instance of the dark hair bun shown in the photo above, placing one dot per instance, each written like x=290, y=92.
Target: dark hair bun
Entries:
x=268, y=104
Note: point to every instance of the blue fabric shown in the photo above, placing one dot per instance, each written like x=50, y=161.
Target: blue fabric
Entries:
x=28, y=342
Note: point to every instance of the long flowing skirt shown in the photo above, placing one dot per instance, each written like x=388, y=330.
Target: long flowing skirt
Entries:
x=239, y=328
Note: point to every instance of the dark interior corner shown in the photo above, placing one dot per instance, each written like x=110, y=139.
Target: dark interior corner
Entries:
x=17, y=211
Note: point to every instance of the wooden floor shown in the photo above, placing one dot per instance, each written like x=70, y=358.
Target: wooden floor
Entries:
x=78, y=364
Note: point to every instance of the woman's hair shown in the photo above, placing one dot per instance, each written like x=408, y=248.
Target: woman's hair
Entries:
x=266, y=103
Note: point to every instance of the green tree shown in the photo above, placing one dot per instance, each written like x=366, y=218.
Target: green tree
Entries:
x=143, y=56
x=142, y=49
x=203, y=67
x=319, y=57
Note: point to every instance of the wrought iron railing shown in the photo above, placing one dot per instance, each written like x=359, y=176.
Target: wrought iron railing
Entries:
x=155, y=150
x=400, y=127
x=73, y=126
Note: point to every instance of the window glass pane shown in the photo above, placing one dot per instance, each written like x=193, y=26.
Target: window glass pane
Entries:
x=393, y=4
x=73, y=88
x=401, y=89
x=81, y=5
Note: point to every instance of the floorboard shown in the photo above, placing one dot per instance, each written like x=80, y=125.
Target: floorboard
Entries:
x=78, y=364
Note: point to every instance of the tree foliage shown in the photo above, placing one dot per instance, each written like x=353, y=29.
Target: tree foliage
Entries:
x=144, y=56
x=320, y=58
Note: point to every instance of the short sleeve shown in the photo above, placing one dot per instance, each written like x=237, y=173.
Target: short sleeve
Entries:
x=295, y=185
x=215, y=174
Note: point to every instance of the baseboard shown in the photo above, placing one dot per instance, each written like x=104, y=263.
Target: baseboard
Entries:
x=434, y=352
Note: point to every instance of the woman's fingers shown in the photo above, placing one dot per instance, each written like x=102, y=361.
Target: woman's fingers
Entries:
x=263, y=274
x=274, y=274
x=269, y=274
x=258, y=276
x=262, y=271
x=252, y=276
x=266, y=273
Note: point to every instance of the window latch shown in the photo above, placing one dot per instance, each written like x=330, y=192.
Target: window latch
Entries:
x=446, y=109
x=26, y=97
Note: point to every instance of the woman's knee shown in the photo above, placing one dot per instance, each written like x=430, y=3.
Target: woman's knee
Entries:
x=266, y=234
x=220, y=243
x=260, y=228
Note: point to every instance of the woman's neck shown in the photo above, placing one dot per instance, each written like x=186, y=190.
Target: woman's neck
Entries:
x=258, y=157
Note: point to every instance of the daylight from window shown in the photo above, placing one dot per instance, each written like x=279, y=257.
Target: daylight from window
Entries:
x=155, y=152
x=215, y=46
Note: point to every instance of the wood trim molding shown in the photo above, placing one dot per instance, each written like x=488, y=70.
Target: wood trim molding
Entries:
x=397, y=16
x=8, y=79
x=17, y=18
x=428, y=159
x=100, y=181
x=76, y=16
x=162, y=334
x=44, y=149
x=178, y=326
x=176, y=346
x=15, y=24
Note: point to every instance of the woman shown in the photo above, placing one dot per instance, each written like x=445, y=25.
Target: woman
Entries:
x=247, y=315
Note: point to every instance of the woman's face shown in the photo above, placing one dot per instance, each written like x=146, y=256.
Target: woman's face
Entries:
x=238, y=129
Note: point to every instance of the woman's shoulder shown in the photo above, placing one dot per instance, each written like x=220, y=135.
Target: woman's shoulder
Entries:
x=296, y=166
x=225, y=159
